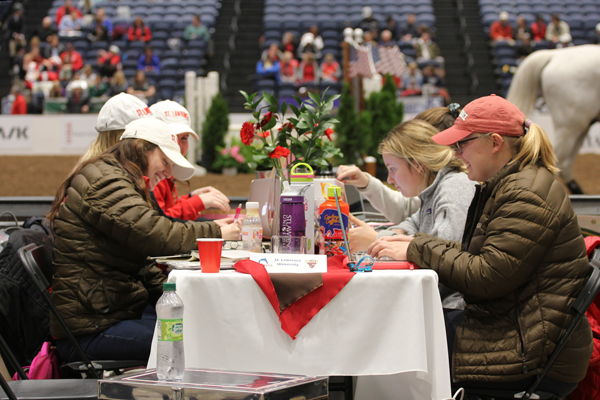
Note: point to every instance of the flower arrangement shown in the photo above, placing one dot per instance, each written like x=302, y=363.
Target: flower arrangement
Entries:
x=304, y=137
x=230, y=157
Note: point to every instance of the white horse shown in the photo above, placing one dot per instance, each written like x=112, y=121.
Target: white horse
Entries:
x=569, y=81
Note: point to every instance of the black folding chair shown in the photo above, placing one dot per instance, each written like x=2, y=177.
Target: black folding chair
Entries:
x=43, y=389
x=32, y=257
x=581, y=304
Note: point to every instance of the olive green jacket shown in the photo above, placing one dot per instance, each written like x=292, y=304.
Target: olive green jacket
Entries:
x=104, y=233
x=524, y=266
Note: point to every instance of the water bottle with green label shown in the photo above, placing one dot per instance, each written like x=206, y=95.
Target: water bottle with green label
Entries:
x=170, y=363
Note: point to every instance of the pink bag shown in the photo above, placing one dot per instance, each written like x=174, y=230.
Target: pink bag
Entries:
x=44, y=365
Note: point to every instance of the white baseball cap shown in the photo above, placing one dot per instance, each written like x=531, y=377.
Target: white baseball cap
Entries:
x=175, y=115
x=503, y=16
x=120, y=110
x=156, y=131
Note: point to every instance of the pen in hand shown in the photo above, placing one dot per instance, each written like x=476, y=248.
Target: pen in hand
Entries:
x=237, y=213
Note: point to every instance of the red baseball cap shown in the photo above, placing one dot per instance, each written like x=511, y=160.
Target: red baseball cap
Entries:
x=484, y=115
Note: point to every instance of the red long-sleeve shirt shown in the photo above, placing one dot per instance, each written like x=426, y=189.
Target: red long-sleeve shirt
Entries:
x=142, y=34
x=19, y=106
x=185, y=207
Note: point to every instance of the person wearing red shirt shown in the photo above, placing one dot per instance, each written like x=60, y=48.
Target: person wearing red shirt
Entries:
x=330, y=69
x=19, y=106
x=501, y=30
x=188, y=206
x=139, y=31
x=538, y=29
x=74, y=55
x=65, y=9
x=308, y=70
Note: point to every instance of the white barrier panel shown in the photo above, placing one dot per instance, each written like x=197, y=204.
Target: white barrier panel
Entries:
x=71, y=134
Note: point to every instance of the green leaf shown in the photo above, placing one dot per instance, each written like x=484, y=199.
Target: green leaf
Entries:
x=270, y=124
x=252, y=96
x=333, y=98
x=295, y=110
x=269, y=98
x=244, y=94
x=256, y=115
x=315, y=98
x=302, y=125
x=274, y=108
x=283, y=108
x=298, y=99
x=260, y=157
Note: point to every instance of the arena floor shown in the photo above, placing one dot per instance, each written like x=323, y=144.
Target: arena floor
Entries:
x=42, y=175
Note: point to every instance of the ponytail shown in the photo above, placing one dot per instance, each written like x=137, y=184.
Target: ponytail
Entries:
x=534, y=148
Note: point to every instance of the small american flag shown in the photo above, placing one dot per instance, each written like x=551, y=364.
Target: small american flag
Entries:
x=361, y=62
x=391, y=61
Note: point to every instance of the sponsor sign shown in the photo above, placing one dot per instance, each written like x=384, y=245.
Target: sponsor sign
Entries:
x=15, y=133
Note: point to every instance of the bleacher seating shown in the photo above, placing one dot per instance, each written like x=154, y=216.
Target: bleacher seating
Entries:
x=581, y=15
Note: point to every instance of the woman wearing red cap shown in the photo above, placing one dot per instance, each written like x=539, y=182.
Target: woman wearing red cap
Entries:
x=522, y=261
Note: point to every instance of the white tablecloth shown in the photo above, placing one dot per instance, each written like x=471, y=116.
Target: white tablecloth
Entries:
x=385, y=326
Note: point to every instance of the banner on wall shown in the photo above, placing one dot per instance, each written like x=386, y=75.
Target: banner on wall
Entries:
x=15, y=133
x=78, y=131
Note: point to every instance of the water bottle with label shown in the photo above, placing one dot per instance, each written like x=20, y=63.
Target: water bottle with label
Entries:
x=170, y=363
x=252, y=229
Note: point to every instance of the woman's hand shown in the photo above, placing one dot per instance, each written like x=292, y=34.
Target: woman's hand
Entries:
x=231, y=231
x=352, y=175
x=215, y=199
x=205, y=189
x=390, y=246
x=223, y=221
x=362, y=236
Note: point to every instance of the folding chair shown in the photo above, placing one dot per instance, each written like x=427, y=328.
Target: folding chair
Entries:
x=32, y=257
x=580, y=305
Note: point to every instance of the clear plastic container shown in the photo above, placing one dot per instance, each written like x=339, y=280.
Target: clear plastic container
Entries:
x=252, y=229
x=170, y=363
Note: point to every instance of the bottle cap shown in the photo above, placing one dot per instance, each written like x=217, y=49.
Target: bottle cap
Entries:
x=168, y=286
x=331, y=190
x=306, y=176
x=251, y=204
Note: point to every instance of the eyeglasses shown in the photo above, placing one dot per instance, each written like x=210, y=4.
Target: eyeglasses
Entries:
x=458, y=146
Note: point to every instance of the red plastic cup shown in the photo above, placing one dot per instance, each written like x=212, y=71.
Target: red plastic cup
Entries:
x=210, y=254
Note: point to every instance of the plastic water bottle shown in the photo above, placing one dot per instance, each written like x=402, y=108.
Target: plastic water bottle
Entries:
x=170, y=363
x=252, y=229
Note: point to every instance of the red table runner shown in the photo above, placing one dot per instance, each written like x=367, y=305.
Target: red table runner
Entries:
x=297, y=298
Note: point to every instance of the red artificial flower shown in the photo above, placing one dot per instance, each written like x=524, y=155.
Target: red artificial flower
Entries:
x=286, y=126
x=264, y=134
x=328, y=133
x=267, y=117
x=247, y=133
x=279, y=152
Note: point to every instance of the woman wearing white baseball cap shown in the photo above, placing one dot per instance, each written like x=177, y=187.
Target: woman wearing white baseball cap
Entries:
x=188, y=206
x=105, y=228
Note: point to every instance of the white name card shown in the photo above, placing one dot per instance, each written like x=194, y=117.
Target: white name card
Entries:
x=296, y=263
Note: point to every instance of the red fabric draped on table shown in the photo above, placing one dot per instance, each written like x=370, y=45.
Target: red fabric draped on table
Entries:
x=313, y=291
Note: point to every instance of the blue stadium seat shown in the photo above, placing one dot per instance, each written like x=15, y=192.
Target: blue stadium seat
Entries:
x=194, y=53
x=160, y=35
x=99, y=45
x=196, y=44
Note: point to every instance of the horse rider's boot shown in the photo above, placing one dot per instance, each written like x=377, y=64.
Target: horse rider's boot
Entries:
x=574, y=187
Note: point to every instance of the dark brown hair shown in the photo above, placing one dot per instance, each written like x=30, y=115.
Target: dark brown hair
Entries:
x=440, y=117
x=130, y=153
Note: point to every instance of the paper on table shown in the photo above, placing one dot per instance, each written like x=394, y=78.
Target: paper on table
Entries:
x=236, y=255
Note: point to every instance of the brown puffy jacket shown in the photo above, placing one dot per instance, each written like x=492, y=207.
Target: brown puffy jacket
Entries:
x=525, y=265
x=104, y=232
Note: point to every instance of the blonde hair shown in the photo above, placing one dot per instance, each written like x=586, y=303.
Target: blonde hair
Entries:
x=411, y=140
x=533, y=148
x=104, y=140
x=440, y=117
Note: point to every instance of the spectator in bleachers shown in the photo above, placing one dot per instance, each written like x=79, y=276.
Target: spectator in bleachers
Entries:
x=75, y=59
x=141, y=88
x=288, y=43
x=501, y=29
x=99, y=34
x=44, y=31
x=139, y=31
x=55, y=48
x=330, y=69
x=65, y=9
x=19, y=105
x=268, y=66
x=56, y=92
x=370, y=42
x=427, y=49
x=538, y=28
x=311, y=42
x=409, y=31
x=557, y=30
x=99, y=89
x=597, y=37
x=109, y=61
x=386, y=39
x=525, y=49
x=70, y=24
x=196, y=30
x=149, y=61
x=118, y=83
x=65, y=73
x=87, y=74
x=288, y=67
x=369, y=23
x=435, y=78
x=78, y=99
x=104, y=21
x=392, y=26
x=15, y=30
x=308, y=71
x=412, y=79
x=522, y=29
